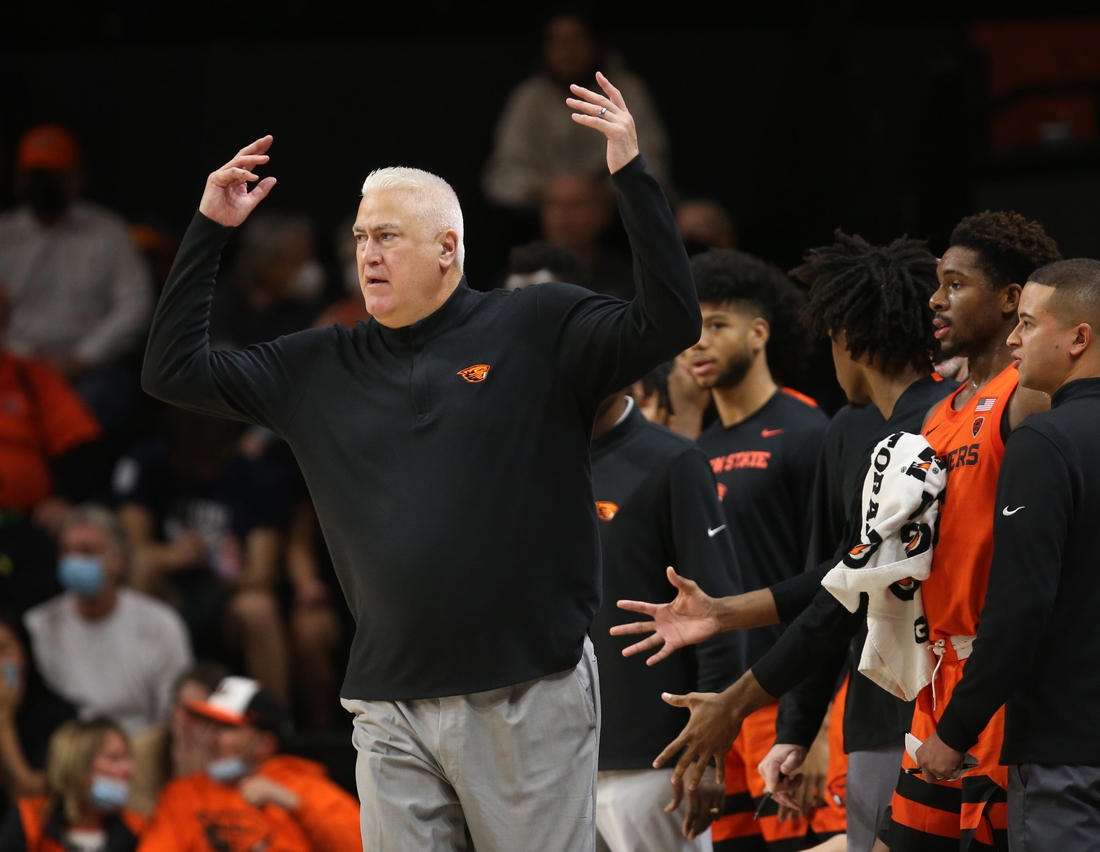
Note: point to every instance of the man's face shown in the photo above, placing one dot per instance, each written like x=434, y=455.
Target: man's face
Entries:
x=969, y=311
x=569, y=49
x=575, y=213
x=243, y=741
x=91, y=540
x=1041, y=341
x=732, y=337
x=401, y=265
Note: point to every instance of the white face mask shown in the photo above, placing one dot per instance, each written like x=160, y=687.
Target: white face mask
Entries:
x=227, y=770
x=109, y=794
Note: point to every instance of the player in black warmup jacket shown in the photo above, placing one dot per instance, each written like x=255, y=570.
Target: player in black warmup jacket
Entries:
x=655, y=498
x=1037, y=643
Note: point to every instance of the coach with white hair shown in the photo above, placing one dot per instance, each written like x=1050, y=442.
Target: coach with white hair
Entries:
x=446, y=447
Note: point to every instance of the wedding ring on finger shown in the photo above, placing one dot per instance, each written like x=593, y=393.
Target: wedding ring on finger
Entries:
x=602, y=112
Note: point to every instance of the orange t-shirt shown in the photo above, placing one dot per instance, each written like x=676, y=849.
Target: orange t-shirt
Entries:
x=41, y=418
x=34, y=814
x=196, y=814
x=969, y=440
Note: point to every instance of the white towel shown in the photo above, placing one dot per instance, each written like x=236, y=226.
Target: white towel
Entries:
x=901, y=498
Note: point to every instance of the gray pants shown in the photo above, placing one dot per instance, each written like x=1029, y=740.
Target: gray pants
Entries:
x=1053, y=808
x=630, y=813
x=872, y=776
x=509, y=770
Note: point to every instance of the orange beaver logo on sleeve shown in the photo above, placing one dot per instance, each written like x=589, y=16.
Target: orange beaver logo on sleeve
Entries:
x=606, y=510
x=476, y=373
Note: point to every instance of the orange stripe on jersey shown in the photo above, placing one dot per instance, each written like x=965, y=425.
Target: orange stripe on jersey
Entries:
x=801, y=397
x=969, y=441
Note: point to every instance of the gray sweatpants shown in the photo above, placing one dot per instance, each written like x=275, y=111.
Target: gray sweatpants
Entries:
x=509, y=770
x=872, y=776
x=1053, y=808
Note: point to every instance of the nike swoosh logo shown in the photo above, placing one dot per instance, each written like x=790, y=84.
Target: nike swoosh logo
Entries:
x=1009, y=514
x=713, y=532
x=771, y=433
x=930, y=431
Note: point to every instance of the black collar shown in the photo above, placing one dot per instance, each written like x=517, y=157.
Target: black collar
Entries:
x=1077, y=389
x=446, y=315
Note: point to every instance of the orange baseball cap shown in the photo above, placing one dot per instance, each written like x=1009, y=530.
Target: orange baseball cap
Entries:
x=48, y=146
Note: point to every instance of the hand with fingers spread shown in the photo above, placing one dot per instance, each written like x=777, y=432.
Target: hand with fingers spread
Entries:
x=708, y=735
x=608, y=114
x=227, y=199
x=690, y=618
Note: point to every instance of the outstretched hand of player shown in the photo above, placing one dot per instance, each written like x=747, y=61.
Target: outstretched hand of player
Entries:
x=708, y=735
x=227, y=199
x=690, y=618
x=608, y=114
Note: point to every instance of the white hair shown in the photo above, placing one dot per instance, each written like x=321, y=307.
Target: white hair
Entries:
x=434, y=201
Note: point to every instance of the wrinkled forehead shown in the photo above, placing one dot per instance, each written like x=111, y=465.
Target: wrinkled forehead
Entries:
x=387, y=208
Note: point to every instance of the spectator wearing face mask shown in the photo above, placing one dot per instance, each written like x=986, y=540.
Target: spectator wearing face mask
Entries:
x=175, y=749
x=249, y=796
x=81, y=295
x=29, y=714
x=109, y=650
x=88, y=777
x=536, y=137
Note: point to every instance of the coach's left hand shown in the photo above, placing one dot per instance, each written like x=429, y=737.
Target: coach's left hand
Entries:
x=938, y=761
x=608, y=114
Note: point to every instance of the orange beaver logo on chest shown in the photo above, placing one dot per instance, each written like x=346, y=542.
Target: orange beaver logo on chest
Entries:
x=606, y=510
x=476, y=373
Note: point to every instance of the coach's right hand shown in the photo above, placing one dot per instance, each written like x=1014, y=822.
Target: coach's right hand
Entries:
x=227, y=199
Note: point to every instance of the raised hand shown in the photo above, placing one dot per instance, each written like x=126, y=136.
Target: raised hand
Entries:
x=688, y=619
x=608, y=114
x=227, y=199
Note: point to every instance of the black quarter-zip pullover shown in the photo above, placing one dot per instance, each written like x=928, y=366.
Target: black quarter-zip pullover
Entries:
x=448, y=460
x=656, y=500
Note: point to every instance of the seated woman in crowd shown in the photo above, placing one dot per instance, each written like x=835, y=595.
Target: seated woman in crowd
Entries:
x=88, y=776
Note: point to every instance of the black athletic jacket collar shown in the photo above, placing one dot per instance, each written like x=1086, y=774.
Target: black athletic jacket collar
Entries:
x=1077, y=389
x=435, y=323
x=633, y=421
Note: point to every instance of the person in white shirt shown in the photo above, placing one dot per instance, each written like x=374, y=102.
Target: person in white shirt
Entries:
x=81, y=295
x=107, y=649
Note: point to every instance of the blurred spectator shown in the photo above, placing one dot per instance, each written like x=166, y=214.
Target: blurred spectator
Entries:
x=539, y=262
x=705, y=224
x=352, y=308
x=277, y=282
x=80, y=293
x=50, y=455
x=576, y=211
x=250, y=796
x=88, y=776
x=204, y=525
x=176, y=749
x=29, y=714
x=109, y=650
x=537, y=139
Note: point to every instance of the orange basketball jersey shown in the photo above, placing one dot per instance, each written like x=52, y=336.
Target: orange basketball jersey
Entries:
x=969, y=441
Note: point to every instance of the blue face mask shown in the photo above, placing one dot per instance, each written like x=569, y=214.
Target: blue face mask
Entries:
x=82, y=575
x=109, y=794
x=227, y=770
x=12, y=675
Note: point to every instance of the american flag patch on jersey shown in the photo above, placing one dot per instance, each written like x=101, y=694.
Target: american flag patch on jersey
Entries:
x=986, y=403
